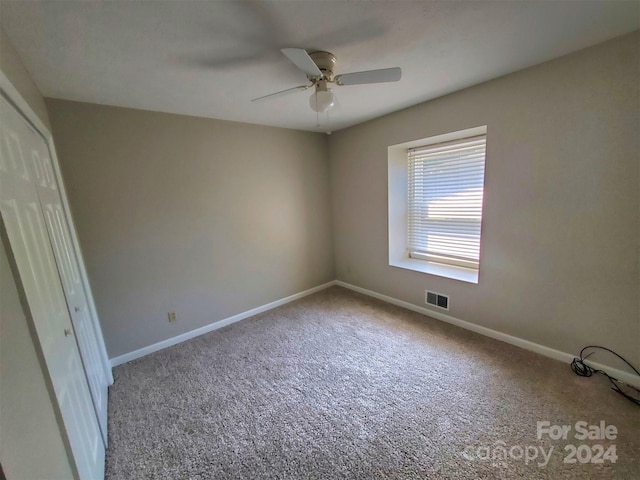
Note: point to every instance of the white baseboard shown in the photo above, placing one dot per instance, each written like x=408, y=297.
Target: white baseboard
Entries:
x=127, y=357
x=627, y=377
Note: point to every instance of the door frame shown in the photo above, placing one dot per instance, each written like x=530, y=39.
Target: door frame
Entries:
x=30, y=115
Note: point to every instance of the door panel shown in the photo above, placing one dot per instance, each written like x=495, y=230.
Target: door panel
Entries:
x=30, y=244
x=76, y=301
x=67, y=263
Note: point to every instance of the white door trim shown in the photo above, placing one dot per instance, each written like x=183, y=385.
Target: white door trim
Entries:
x=26, y=110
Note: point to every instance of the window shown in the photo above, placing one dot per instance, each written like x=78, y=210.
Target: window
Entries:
x=444, y=205
x=442, y=180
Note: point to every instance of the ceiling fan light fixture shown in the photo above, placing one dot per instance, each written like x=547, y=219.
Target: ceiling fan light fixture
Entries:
x=321, y=100
x=319, y=68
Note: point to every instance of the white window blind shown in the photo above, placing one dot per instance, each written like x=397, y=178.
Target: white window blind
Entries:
x=444, y=210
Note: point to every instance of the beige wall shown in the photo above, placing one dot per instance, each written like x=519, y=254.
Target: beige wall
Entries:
x=560, y=243
x=30, y=442
x=202, y=217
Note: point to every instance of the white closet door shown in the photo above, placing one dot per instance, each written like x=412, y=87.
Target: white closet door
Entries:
x=27, y=232
x=67, y=262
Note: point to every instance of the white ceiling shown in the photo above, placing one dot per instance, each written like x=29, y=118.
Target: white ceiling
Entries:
x=209, y=58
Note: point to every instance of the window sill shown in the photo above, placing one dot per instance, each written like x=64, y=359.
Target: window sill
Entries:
x=447, y=271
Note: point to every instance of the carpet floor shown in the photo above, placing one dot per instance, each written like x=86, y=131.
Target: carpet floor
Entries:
x=339, y=385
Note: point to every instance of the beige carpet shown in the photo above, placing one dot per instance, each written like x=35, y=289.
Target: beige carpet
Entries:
x=339, y=385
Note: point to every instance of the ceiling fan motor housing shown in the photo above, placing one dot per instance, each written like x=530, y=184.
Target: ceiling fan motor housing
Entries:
x=326, y=62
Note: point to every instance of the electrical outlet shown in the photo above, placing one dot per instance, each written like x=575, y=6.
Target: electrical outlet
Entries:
x=172, y=316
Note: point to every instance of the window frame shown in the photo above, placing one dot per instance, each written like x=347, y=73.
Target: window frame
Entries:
x=398, y=207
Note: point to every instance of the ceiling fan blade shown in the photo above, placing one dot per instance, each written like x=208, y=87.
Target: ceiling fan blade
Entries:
x=281, y=93
x=370, y=76
x=302, y=60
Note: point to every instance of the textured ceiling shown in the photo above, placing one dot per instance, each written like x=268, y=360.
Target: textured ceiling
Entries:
x=210, y=58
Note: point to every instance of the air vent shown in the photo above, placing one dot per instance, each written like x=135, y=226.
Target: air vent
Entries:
x=437, y=300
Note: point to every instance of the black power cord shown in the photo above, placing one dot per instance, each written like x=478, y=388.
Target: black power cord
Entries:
x=583, y=370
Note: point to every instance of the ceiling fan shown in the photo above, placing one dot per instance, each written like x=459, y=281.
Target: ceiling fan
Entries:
x=319, y=68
